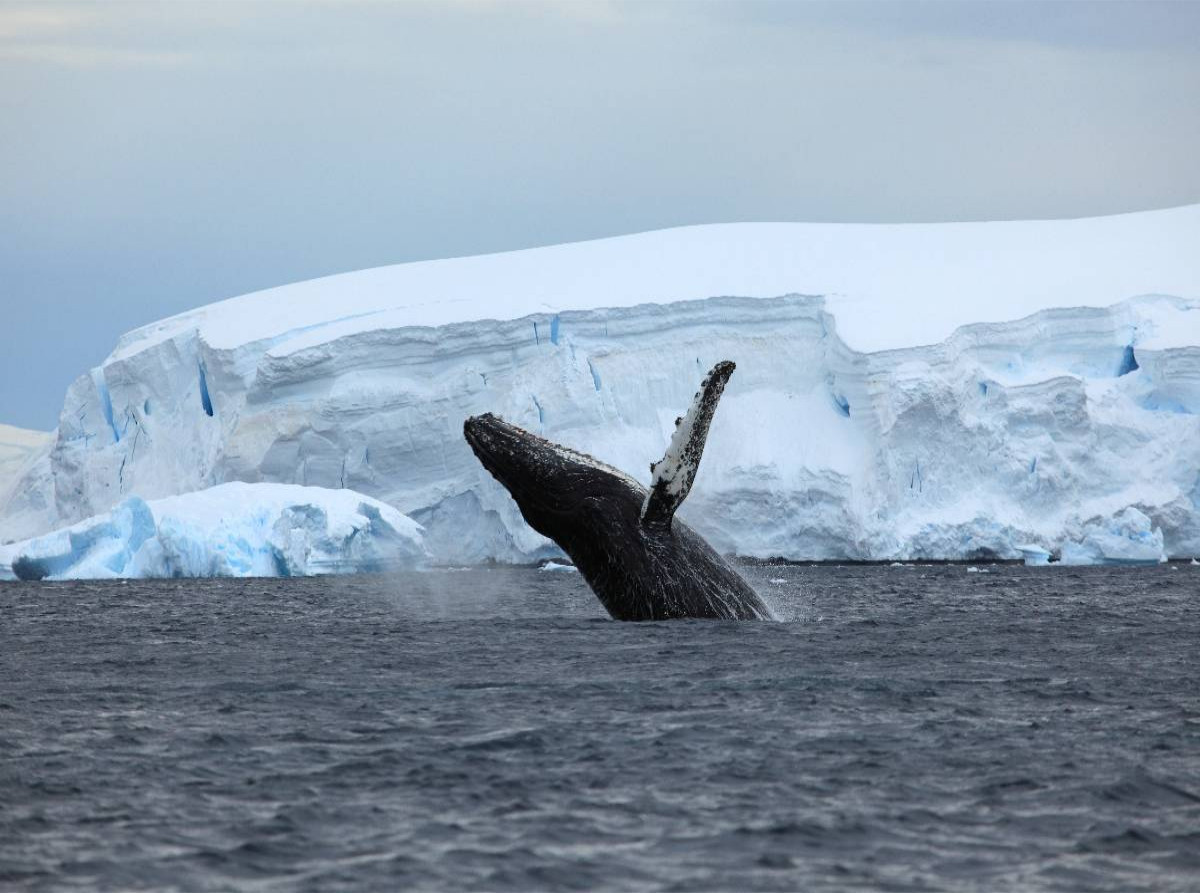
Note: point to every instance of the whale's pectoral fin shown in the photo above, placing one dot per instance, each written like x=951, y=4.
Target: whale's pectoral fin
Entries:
x=672, y=475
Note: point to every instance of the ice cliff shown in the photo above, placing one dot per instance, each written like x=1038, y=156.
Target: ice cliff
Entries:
x=938, y=391
x=231, y=530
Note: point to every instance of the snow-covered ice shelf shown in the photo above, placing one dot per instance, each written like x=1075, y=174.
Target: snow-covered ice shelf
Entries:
x=922, y=391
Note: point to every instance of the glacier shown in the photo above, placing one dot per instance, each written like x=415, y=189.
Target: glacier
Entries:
x=19, y=447
x=230, y=530
x=958, y=391
x=21, y=452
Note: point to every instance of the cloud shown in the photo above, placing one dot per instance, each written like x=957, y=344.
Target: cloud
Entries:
x=22, y=22
x=161, y=155
x=1162, y=25
x=84, y=56
x=74, y=36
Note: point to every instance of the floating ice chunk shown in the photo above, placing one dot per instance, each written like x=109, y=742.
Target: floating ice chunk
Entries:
x=557, y=566
x=1034, y=555
x=231, y=530
x=1126, y=538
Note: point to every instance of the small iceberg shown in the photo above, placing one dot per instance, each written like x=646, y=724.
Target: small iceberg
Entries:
x=1127, y=538
x=558, y=566
x=230, y=530
x=1034, y=555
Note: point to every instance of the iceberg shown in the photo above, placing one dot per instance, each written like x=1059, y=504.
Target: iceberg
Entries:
x=903, y=392
x=231, y=530
x=559, y=566
x=1034, y=555
x=1128, y=538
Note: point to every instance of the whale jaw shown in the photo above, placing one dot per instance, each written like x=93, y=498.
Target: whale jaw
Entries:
x=561, y=492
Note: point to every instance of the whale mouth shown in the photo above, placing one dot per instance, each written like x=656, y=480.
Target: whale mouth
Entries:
x=536, y=472
x=542, y=476
x=497, y=444
x=502, y=446
x=484, y=431
x=473, y=428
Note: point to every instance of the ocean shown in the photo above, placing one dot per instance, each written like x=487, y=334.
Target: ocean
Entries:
x=902, y=728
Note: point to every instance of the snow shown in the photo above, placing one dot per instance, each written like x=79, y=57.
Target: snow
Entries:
x=902, y=392
x=964, y=273
x=232, y=530
x=19, y=447
x=26, y=483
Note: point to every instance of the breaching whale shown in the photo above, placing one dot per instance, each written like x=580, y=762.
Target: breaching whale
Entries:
x=642, y=563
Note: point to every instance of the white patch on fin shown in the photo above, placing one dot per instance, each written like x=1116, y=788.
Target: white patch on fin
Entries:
x=672, y=476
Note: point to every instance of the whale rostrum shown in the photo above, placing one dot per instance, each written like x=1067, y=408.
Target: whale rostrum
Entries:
x=642, y=562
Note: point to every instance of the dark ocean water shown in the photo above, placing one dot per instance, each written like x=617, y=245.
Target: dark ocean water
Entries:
x=906, y=729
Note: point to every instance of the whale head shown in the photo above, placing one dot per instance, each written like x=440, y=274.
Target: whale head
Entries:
x=562, y=493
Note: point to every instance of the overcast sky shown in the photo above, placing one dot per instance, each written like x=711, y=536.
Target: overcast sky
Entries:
x=154, y=157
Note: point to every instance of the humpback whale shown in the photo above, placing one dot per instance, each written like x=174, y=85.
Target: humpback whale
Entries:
x=642, y=563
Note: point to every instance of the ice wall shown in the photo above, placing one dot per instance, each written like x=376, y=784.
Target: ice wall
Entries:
x=948, y=441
